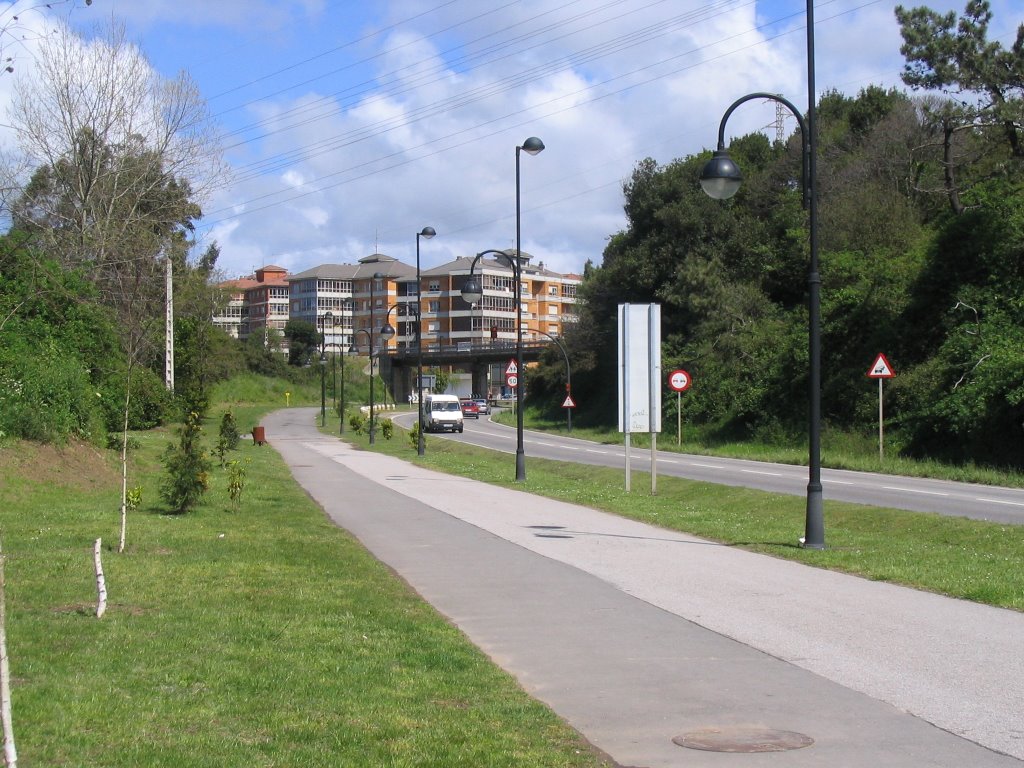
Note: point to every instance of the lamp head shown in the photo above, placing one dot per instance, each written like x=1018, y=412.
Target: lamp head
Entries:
x=533, y=146
x=387, y=332
x=720, y=178
x=472, y=291
x=427, y=233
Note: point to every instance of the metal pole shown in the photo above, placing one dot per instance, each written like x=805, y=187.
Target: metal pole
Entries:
x=420, y=441
x=516, y=271
x=323, y=381
x=341, y=412
x=814, y=529
x=370, y=337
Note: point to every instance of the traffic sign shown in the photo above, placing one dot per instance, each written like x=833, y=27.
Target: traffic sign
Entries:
x=512, y=374
x=880, y=369
x=568, y=402
x=679, y=380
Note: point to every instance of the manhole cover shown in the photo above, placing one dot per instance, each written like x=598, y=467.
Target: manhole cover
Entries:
x=743, y=738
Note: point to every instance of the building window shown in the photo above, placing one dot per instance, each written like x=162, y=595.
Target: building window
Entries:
x=434, y=306
x=435, y=285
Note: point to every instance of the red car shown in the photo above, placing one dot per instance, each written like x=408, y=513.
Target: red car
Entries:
x=470, y=409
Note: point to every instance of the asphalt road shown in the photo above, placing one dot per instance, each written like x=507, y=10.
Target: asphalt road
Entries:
x=980, y=502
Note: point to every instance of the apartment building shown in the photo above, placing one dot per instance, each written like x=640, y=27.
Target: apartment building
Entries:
x=548, y=302
x=233, y=317
x=348, y=303
x=341, y=299
x=267, y=303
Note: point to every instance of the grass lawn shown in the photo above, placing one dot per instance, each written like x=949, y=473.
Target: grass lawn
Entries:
x=256, y=636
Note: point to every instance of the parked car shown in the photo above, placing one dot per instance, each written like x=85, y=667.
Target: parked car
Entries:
x=470, y=409
x=482, y=405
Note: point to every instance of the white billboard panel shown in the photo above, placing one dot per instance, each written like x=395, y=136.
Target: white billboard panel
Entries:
x=640, y=368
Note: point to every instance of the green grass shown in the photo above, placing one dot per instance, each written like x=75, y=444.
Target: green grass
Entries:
x=264, y=636
x=839, y=450
x=963, y=558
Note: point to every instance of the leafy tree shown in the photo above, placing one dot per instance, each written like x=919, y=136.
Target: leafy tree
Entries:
x=977, y=134
x=303, y=342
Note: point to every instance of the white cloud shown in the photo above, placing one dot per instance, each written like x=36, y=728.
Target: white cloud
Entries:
x=408, y=112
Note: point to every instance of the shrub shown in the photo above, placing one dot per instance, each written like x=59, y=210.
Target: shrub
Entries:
x=387, y=428
x=357, y=423
x=414, y=435
x=229, y=430
x=188, y=468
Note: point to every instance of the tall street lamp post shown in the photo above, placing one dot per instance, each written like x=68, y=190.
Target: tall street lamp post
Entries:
x=721, y=179
x=323, y=366
x=531, y=146
x=354, y=349
x=426, y=233
x=373, y=424
x=472, y=292
x=341, y=410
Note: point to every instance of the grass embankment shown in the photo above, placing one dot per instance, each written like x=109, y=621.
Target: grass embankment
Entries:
x=962, y=558
x=839, y=450
x=257, y=636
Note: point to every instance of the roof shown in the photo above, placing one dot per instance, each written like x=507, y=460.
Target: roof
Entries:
x=367, y=267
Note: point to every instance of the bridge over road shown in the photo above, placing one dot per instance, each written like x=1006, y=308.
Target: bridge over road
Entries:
x=398, y=366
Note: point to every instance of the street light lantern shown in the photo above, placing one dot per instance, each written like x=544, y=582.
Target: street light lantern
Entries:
x=387, y=331
x=533, y=146
x=427, y=232
x=472, y=291
x=721, y=177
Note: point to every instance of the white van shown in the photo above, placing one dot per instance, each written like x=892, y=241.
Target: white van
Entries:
x=442, y=413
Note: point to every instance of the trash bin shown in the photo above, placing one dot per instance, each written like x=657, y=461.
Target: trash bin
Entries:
x=259, y=436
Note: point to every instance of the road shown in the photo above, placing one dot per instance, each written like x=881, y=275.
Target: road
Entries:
x=980, y=502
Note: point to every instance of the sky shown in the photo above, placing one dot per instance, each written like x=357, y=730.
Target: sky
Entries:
x=349, y=126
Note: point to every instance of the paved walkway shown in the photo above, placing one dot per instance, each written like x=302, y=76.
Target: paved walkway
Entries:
x=638, y=636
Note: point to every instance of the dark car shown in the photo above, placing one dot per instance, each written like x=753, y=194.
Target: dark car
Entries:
x=470, y=409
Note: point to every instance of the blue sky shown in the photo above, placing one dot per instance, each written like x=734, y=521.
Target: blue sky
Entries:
x=349, y=126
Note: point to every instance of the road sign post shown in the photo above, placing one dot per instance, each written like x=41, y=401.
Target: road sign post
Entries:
x=881, y=370
x=679, y=381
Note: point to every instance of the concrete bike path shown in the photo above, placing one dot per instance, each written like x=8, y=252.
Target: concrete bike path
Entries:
x=637, y=635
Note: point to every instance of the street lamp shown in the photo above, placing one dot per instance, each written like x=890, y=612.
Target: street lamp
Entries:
x=341, y=410
x=472, y=292
x=531, y=146
x=720, y=179
x=426, y=233
x=373, y=426
x=354, y=349
x=568, y=375
x=323, y=366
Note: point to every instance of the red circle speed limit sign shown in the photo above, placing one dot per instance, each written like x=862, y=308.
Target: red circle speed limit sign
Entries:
x=679, y=380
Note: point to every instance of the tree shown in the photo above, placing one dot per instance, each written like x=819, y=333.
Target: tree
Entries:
x=303, y=342
x=977, y=133
x=122, y=158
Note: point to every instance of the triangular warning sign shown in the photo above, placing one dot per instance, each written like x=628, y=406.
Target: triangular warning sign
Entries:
x=568, y=402
x=511, y=369
x=880, y=369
